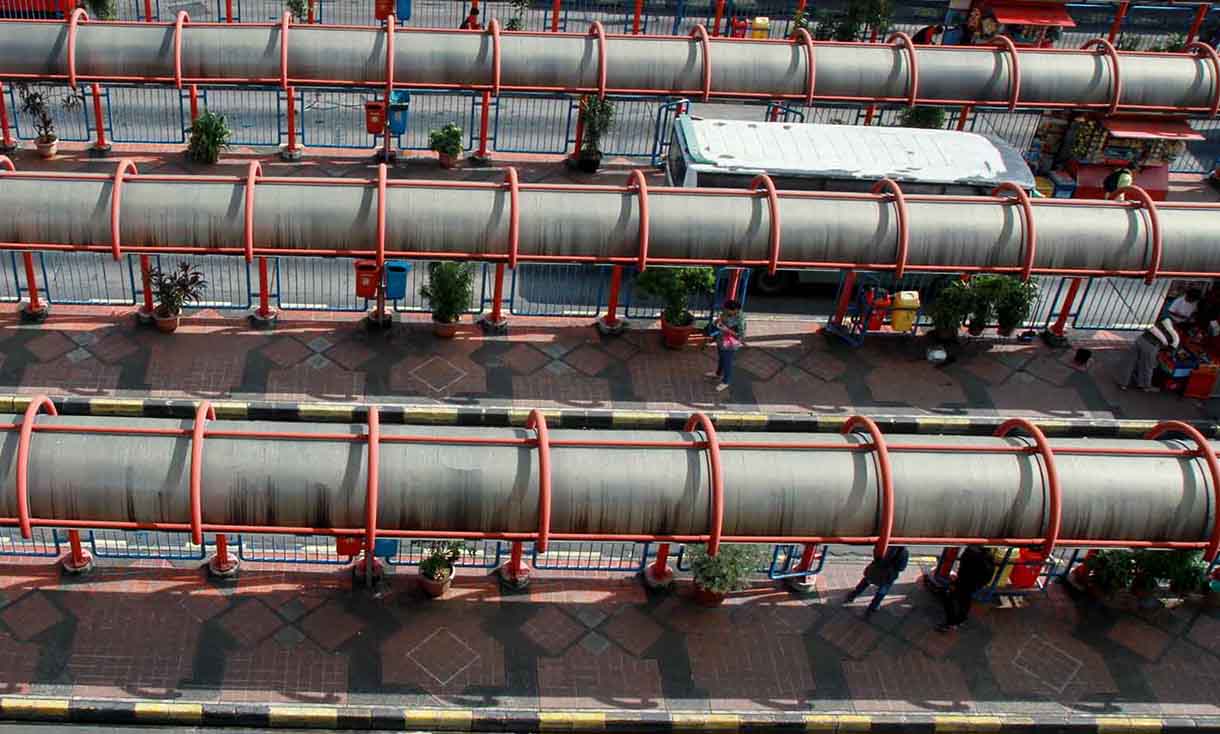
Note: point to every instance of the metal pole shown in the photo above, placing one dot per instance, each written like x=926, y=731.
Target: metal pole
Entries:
x=310, y=19
x=963, y=116
x=222, y=564
x=846, y=293
x=1061, y=323
x=611, y=320
x=497, y=297
x=194, y=91
x=484, y=117
x=734, y=285
x=78, y=560
x=555, y=8
x=148, y=309
x=1117, y=25
x=515, y=572
x=1200, y=15
x=148, y=13
x=869, y=113
x=95, y=90
x=580, y=136
x=718, y=17
x=228, y=11
x=635, y=23
x=292, y=152
x=34, y=310
x=7, y=143
x=659, y=573
x=264, y=290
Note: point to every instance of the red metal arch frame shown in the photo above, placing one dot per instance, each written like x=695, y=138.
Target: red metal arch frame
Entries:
x=885, y=476
x=1154, y=225
x=7, y=164
x=1202, y=49
x=712, y=442
x=902, y=40
x=811, y=79
x=391, y=24
x=1030, y=248
x=124, y=166
x=1014, y=88
x=372, y=486
x=253, y=172
x=182, y=19
x=1116, y=86
x=536, y=422
x=37, y=403
x=285, y=22
x=1213, y=470
x=774, y=233
x=382, y=180
x=203, y=413
x=493, y=28
x=699, y=33
x=598, y=33
x=1054, y=519
x=902, y=249
x=78, y=15
x=640, y=185
x=513, y=184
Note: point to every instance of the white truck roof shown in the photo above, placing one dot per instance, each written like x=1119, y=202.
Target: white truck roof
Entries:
x=852, y=151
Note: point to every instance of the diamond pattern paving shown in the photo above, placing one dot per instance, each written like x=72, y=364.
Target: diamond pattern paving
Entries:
x=31, y=615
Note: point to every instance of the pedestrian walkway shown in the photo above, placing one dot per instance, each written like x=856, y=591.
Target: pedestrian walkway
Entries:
x=308, y=648
x=788, y=367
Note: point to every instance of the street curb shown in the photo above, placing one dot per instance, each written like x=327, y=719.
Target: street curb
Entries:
x=506, y=417
x=524, y=721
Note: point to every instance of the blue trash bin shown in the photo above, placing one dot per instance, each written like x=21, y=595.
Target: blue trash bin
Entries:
x=396, y=279
x=404, y=10
x=399, y=101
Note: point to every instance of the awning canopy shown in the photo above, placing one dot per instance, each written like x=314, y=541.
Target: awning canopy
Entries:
x=1150, y=128
x=1028, y=12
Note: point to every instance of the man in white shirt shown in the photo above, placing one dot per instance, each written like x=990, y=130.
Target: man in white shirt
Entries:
x=1183, y=308
x=1142, y=362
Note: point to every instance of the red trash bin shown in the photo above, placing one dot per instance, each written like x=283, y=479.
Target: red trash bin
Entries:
x=383, y=8
x=1029, y=565
x=368, y=278
x=374, y=117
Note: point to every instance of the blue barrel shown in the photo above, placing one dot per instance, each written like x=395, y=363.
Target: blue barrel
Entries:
x=403, y=8
x=399, y=101
x=396, y=279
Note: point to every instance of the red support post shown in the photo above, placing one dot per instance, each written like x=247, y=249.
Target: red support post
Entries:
x=1061, y=323
x=943, y=573
x=1200, y=15
x=580, y=136
x=194, y=91
x=807, y=556
x=719, y=16
x=264, y=290
x=869, y=113
x=801, y=5
x=34, y=309
x=802, y=583
x=78, y=560
x=734, y=285
x=1117, y=25
x=7, y=143
x=292, y=152
x=846, y=293
x=99, y=120
x=556, y=6
x=639, y=11
x=611, y=323
x=228, y=11
x=148, y=14
x=497, y=297
x=963, y=116
x=774, y=114
x=515, y=573
x=659, y=574
x=222, y=564
x=146, y=311
x=310, y=18
x=484, y=119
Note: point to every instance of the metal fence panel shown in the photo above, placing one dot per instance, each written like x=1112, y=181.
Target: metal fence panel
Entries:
x=316, y=284
x=429, y=111
x=335, y=118
x=144, y=544
x=307, y=549
x=563, y=555
x=436, y=13
x=43, y=543
x=228, y=279
x=558, y=290
x=252, y=114
x=86, y=278
x=258, y=11
x=635, y=132
x=10, y=286
x=1120, y=304
x=146, y=114
x=475, y=554
x=70, y=124
x=1200, y=155
x=1016, y=128
x=534, y=123
x=639, y=305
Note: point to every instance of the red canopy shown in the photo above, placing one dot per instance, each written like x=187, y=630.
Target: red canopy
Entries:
x=1029, y=12
x=1150, y=128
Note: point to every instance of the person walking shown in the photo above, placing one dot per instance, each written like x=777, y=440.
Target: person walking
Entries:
x=1118, y=180
x=881, y=572
x=1182, y=311
x=1141, y=362
x=975, y=569
x=728, y=330
x=472, y=21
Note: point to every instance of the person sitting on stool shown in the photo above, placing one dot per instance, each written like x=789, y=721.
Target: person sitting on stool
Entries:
x=1141, y=363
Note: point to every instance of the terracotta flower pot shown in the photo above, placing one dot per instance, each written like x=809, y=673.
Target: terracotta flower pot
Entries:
x=433, y=588
x=589, y=161
x=675, y=336
x=446, y=160
x=47, y=150
x=167, y=324
x=706, y=598
x=444, y=330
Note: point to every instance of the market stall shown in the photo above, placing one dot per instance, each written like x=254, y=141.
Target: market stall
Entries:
x=1028, y=23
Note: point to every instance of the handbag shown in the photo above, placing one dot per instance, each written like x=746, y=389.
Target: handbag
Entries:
x=729, y=342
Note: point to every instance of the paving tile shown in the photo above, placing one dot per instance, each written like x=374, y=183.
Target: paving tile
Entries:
x=634, y=630
x=758, y=363
x=113, y=346
x=620, y=348
x=49, y=345
x=849, y=634
x=823, y=365
x=588, y=359
x=552, y=630
x=31, y=615
x=251, y=622
x=1140, y=638
x=443, y=655
x=1049, y=369
x=1205, y=632
x=331, y=625
x=590, y=616
x=351, y=354
x=443, y=651
x=438, y=373
x=286, y=351
x=524, y=359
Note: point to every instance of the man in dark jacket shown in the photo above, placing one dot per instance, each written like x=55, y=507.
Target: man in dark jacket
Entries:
x=975, y=568
x=882, y=573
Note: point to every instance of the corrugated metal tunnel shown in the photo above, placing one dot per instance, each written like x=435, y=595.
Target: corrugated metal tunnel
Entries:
x=607, y=483
x=574, y=62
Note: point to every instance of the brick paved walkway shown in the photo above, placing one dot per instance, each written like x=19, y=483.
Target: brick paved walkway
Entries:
x=554, y=363
x=170, y=634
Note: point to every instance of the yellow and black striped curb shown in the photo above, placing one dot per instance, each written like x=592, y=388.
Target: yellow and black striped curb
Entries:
x=505, y=417
x=390, y=718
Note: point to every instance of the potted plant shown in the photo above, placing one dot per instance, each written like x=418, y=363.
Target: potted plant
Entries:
x=298, y=9
x=1186, y=572
x=447, y=142
x=948, y=310
x=1110, y=571
x=517, y=21
x=982, y=302
x=180, y=286
x=449, y=289
x=1013, y=302
x=598, y=117
x=35, y=102
x=931, y=118
x=436, y=569
x=727, y=571
x=209, y=135
x=675, y=286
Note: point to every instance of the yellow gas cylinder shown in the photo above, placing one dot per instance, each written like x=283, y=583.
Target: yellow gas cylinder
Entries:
x=760, y=28
x=902, y=312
